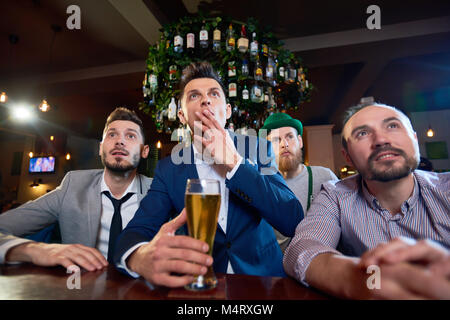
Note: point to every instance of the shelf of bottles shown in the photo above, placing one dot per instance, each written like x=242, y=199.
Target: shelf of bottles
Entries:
x=259, y=75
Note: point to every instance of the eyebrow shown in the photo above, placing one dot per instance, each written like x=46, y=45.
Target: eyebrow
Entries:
x=197, y=91
x=390, y=119
x=127, y=129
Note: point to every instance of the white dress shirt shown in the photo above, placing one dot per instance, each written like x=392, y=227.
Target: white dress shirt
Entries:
x=127, y=211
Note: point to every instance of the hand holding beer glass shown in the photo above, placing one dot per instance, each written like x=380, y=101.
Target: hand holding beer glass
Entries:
x=202, y=201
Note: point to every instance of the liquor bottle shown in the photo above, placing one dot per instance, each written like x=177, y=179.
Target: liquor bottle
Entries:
x=232, y=90
x=258, y=73
x=253, y=47
x=173, y=72
x=243, y=41
x=172, y=110
x=190, y=43
x=292, y=73
x=257, y=93
x=266, y=96
x=203, y=37
x=216, y=40
x=281, y=73
x=153, y=79
x=271, y=105
x=231, y=41
x=145, y=86
x=178, y=43
x=245, y=95
x=264, y=48
x=270, y=69
x=244, y=69
x=231, y=69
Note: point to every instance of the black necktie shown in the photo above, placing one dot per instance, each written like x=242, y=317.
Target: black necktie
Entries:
x=116, y=223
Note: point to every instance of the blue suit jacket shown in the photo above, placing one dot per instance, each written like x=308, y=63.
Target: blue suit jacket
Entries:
x=258, y=198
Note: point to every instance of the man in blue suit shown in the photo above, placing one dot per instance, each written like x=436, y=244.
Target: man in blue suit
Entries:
x=254, y=198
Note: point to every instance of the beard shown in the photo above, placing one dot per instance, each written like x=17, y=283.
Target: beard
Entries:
x=291, y=163
x=392, y=173
x=119, y=165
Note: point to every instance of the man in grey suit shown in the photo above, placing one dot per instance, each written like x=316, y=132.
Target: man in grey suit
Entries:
x=90, y=206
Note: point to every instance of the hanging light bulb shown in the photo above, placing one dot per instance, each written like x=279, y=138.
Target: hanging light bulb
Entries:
x=68, y=156
x=158, y=144
x=44, y=106
x=30, y=154
x=3, y=97
x=430, y=132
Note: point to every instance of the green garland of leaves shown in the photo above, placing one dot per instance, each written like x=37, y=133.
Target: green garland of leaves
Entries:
x=288, y=95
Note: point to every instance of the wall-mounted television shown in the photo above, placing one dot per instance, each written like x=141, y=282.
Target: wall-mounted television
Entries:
x=42, y=165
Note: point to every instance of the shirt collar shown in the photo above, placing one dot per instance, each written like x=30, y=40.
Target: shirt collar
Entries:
x=132, y=187
x=375, y=204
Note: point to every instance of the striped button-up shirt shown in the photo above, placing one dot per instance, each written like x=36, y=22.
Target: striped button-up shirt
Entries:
x=346, y=219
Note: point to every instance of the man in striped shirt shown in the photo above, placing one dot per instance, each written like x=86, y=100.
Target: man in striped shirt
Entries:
x=377, y=215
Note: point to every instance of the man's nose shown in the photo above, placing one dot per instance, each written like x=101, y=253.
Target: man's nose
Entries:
x=206, y=101
x=380, y=139
x=284, y=143
x=120, y=139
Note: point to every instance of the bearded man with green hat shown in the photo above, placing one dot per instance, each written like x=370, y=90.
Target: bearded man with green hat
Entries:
x=285, y=133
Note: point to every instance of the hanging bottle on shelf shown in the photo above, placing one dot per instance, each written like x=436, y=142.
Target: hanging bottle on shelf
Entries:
x=232, y=90
x=245, y=94
x=243, y=41
x=258, y=72
x=257, y=93
x=190, y=43
x=216, y=40
x=203, y=37
x=172, y=110
x=178, y=43
x=231, y=40
x=244, y=68
x=231, y=69
x=253, y=47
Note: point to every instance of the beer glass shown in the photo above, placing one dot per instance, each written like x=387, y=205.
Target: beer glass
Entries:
x=202, y=201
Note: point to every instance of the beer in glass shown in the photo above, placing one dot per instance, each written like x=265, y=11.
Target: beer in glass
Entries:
x=202, y=201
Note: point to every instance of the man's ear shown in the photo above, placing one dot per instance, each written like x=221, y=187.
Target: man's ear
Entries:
x=347, y=157
x=144, y=151
x=228, y=112
x=100, y=146
x=300, y=141
x=181, y=117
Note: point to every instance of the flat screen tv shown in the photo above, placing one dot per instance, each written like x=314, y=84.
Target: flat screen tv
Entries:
x=42, y=165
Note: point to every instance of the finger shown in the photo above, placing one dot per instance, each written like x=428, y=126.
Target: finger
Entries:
x=212, y=122
x=98, y=259
x=441, y=268
x=176, y=223
x=420, y=281
x=184, y=242
x=188, y=255
x=423, y=251
x=181, y=267
x=79, y=260
x=373, y=256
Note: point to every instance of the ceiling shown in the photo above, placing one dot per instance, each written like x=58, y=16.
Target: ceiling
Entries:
x=92, y=70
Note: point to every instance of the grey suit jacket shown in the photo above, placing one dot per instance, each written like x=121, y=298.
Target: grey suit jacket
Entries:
x=75, y=204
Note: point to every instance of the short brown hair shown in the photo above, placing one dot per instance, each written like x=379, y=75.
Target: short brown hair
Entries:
x=122, y=113
x=197, y=70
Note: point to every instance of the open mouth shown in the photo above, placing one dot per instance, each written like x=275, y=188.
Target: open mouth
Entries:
x=386, y=156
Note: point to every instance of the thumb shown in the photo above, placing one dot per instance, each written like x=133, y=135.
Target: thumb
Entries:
x=176, y=223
